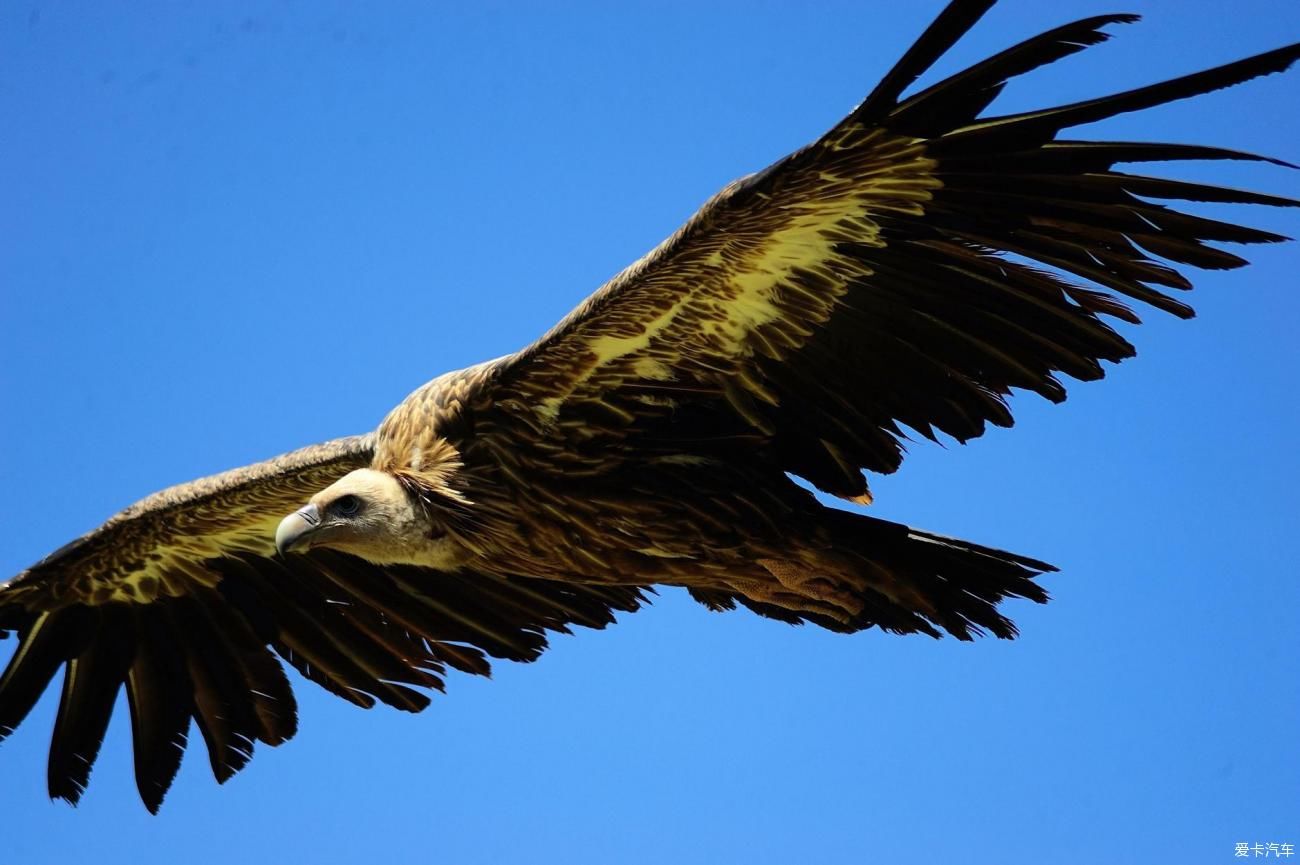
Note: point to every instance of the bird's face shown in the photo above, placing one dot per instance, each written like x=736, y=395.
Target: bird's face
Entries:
x=366, y=513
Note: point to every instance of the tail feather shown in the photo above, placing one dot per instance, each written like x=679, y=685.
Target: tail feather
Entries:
x=923, y=581
x=861, y=572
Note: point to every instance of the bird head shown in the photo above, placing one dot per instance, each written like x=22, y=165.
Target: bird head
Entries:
x=366, y=513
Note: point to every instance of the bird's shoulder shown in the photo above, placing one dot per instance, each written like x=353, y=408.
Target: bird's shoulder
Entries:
x=442, y=410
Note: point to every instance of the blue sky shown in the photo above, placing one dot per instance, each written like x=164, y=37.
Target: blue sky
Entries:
x=234, y=228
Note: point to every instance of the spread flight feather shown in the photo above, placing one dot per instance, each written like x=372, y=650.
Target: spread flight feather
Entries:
x=801, y=323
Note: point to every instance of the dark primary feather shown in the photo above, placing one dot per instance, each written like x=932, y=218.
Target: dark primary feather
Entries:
x=951, y=24
x=968, y=93
x=91, y=682
x=160, y=696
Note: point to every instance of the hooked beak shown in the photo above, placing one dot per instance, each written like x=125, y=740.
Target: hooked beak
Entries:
x=296, y=529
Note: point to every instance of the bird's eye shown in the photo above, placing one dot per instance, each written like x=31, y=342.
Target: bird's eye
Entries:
x=347, y=506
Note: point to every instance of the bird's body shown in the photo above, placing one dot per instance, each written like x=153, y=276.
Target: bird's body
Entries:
x=583, y=504
x=906, y=271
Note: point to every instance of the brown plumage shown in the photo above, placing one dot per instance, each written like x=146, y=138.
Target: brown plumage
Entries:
x=797, y=324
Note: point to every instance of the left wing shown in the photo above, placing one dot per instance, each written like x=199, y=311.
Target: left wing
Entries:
x=180, y=599
x=806, y=313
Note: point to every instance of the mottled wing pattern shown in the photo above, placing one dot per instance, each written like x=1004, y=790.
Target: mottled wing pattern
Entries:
x=157, y=546
x=858, y=286
x=181, y=600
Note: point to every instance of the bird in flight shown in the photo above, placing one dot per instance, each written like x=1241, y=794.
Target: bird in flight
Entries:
x=899, y=275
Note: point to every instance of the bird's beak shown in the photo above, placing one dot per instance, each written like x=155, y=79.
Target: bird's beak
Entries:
x=295, y=530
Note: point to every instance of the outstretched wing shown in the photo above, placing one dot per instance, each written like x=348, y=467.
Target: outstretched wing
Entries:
x=811, y=311
x=181, y=599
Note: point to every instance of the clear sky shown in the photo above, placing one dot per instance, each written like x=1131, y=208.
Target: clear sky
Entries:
x=230, y=229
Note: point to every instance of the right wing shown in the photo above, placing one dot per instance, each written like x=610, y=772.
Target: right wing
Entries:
x=181, y=598
x=908, y=269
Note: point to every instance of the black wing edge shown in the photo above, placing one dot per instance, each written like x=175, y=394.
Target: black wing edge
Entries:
x=365, y=634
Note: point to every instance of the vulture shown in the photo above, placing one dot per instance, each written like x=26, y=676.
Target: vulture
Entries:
x=897, y=277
